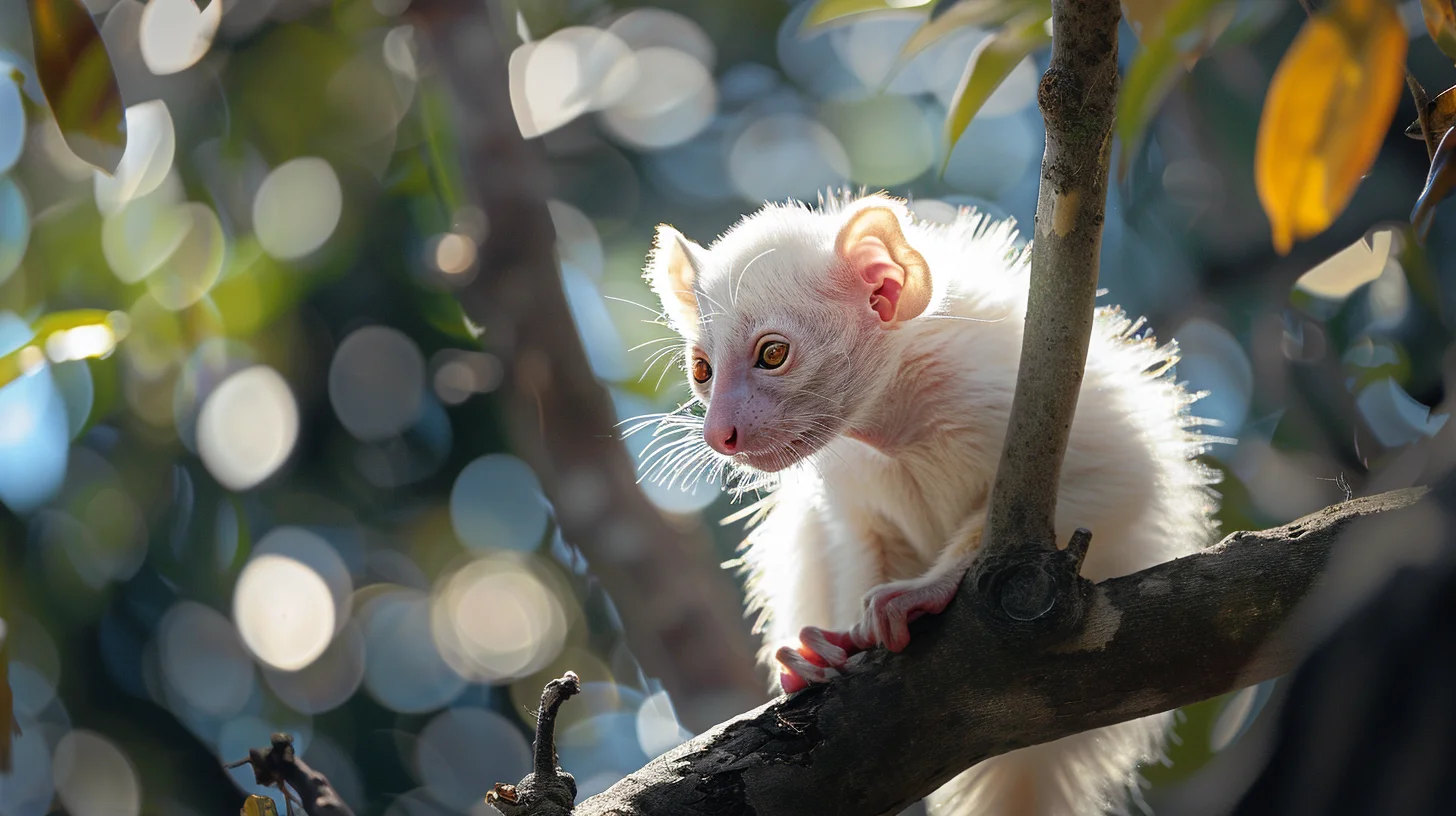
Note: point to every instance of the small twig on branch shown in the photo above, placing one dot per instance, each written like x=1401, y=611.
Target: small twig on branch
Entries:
x=547, y=790
x=1423, y=113
x=279, y=765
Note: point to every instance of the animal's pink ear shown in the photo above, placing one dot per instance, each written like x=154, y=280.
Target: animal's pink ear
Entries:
x=895, y=276
x=672, y=270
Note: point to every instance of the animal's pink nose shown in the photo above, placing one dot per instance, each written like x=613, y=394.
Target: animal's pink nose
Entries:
x=724, y=443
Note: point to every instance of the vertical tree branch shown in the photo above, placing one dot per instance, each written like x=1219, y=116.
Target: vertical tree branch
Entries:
x=547, y=790
x=1078, y=96
x=682, y=616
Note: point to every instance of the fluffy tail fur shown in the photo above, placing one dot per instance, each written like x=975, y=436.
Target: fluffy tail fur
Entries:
x=1088, y=774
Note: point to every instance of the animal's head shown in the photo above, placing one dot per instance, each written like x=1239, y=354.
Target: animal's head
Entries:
x=788, y=322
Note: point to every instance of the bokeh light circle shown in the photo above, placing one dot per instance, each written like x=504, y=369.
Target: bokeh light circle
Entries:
x=673, y=99
x=403, y=669
x=175, y=34
x=463, y=751
x=495, y=619
x=151, y=145
x=329, y=681
x=283, y=610
x=12, y=120
x=247, y=427
x=14, y=227
x=786, y=155
x=141, y=234
x=377, y=382
x=195, y=263
x=297, y=208
x=203, y=660
x=94, y=778
x=496, y=503
x=314, y=552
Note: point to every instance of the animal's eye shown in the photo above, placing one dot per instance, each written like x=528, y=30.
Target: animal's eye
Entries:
x=702, y=372
x=773, y=354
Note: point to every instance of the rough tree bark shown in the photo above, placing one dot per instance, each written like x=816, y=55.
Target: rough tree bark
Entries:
x=680, y=611
x=1031, y=652
x=899, y=726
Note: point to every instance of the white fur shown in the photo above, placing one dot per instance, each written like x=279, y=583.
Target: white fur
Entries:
x=932, y=398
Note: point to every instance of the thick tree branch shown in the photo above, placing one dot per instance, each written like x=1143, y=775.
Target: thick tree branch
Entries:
x=1078, y=96
x=681, y=613
x=899, y=726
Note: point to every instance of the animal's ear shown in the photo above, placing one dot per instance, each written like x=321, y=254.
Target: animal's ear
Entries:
x=672, y=269
x=894, y=276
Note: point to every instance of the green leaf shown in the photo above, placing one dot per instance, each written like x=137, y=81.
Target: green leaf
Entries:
x=990, y=64
x=1438, y=185
x=1164, y=58
x=830, y=12
x=79, y=83
x=977, y=13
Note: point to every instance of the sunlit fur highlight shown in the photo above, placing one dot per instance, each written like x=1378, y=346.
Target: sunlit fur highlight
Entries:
x=906, y=426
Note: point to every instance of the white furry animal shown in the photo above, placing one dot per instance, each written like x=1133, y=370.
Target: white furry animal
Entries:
x=861, y=363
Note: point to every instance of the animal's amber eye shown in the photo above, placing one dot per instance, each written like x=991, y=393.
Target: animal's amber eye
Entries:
x=702, y=372
x=773, y=354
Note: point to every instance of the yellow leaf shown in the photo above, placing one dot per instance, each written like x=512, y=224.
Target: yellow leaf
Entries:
x=256, y=805
x=1438, y=185
x=828, y=12
x=79, y=83
x=990, y=64
x=1440, y=114
x=1326, y=113
x=1441, y=23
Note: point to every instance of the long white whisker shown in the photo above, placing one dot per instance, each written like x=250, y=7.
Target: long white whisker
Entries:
x=671, y=339
x=660, y=315
x=744, y=272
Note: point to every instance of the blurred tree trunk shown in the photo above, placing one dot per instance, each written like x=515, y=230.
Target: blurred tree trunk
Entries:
x=681, y=612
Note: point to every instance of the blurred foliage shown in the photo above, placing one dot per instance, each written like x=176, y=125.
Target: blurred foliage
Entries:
x=285, y=500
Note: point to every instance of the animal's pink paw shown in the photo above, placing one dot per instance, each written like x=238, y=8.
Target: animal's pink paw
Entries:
x=818, y=658
x=888, y=609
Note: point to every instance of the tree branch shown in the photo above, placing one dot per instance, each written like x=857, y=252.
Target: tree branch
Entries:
x=547, y=790
x=1078, y=95
x=279, y=764
x=681, y=613
x=897, y=727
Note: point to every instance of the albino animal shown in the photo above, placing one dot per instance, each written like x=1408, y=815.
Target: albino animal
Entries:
x=860, y=364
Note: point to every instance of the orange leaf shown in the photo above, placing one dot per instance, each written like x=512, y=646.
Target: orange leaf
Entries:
x=1440, y=115
x=1441, y=23
x=1438, y=185
x=1327, y=111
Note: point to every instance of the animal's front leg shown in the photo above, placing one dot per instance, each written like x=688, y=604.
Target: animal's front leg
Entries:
x=889, y=608
x=887, y=612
